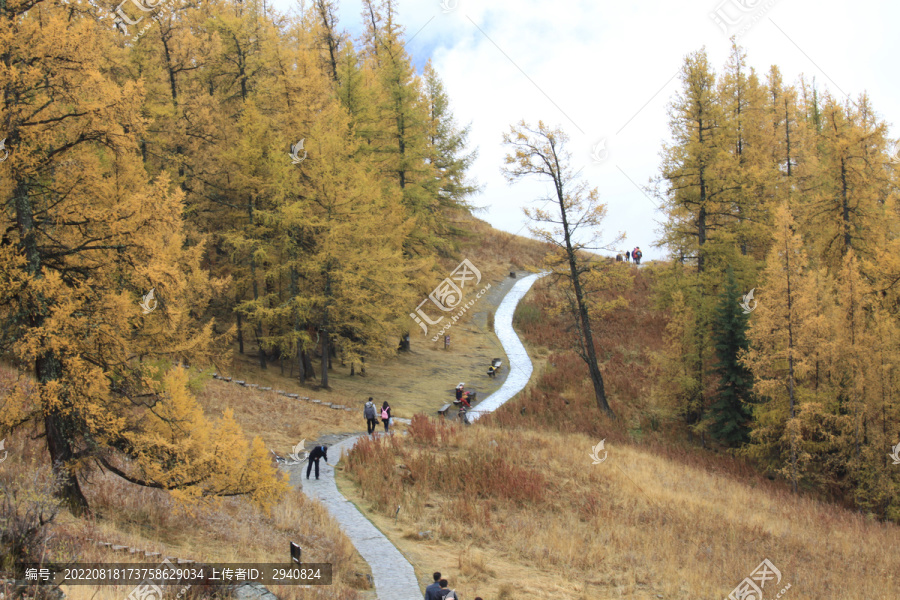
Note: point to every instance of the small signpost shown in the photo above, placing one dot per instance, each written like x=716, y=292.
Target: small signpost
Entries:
x=295, y=553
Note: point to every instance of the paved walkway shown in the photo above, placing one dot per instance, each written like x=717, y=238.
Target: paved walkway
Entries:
x=394, y=577
x=519, y=363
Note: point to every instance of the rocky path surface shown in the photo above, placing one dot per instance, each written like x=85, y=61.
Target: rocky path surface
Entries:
x=395, y=578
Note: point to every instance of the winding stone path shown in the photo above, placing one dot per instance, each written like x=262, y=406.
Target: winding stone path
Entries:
x=520, y=367
x=395, y=578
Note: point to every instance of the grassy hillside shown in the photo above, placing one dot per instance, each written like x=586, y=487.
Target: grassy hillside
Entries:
x=225, y=530
x=517, y=502
x=510, y=504
x=508, y=509
x=233, y=529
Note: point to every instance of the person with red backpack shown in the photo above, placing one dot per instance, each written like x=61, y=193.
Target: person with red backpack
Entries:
x=636, y=255
x=386, y=415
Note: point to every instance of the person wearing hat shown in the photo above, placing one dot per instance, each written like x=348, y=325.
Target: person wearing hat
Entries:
x=462, y=395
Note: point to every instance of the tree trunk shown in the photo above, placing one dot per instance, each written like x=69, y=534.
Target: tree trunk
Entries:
x=47, y=367
x=240, y=334
x=60, y=454
x=845, y=209
x=309, y=371
x=790, y=304
x=255, y=286
x=325, y=357
x=583, y=317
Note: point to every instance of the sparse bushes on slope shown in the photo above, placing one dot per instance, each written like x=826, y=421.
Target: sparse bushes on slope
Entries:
x=27, y=509
x=405, y=473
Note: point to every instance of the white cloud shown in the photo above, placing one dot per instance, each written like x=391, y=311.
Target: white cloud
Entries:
x=604, y=69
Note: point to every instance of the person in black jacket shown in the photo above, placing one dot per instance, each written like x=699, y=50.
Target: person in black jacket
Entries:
x=386, y=415
x=432, y=592
x=317, y=453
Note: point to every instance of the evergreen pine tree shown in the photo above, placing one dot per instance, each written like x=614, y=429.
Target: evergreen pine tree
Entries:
x=730, y=413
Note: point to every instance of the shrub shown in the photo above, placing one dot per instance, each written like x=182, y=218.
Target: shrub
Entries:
x=27, y=508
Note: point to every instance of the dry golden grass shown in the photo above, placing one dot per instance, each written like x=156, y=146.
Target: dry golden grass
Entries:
x=638, y=525
x=279, y=421
x=226, y=530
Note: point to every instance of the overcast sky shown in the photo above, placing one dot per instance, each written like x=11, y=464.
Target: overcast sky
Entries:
x=606, y=70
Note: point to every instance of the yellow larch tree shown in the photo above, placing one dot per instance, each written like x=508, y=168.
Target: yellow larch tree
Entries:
x=87, y=236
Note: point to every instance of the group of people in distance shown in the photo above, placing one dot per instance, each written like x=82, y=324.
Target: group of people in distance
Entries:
x=635, y=255
x=439, y=590
x=370, y=412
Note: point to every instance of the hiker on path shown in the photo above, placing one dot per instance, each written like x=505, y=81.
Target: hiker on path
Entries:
x=386, y=415
x=371, y=417
x=444, y=591
x=462, y=396
x=627, y=256
x=432, y=592
x=314, y=456
x=637, y=254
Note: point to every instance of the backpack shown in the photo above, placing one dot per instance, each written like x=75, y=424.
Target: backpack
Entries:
x=384, y=413
x=369, y=411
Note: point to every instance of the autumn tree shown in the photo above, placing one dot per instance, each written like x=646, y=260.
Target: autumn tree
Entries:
x=399, y=138
x=87, y=234
x=775, y=358
x=448, y=145
x=541, y=152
